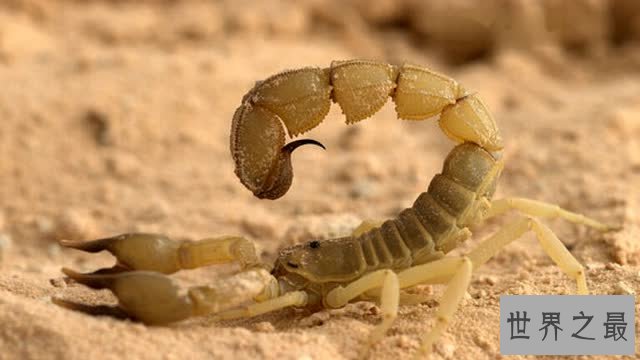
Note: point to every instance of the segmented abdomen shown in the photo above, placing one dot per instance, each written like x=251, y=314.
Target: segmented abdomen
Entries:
x=434, y=223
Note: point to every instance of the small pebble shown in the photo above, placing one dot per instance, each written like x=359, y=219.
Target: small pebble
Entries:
x=264, y=326
x=58, y=282
x=445, y=348
x=406, y=342
x=369, y=308
x=488, y=279
x=611, y=266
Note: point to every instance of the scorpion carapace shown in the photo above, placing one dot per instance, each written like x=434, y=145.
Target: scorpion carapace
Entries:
x=377, y=261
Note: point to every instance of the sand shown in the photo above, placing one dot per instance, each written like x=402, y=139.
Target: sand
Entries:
x=115, y=117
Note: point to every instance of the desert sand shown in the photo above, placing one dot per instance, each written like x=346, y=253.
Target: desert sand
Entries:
x=115, y=117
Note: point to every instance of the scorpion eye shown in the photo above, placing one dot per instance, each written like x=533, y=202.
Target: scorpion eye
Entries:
x=314, y=244
x=289, y=263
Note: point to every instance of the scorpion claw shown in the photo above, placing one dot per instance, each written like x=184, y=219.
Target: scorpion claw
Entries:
x=88, y=246
x=95, y=310
x=147, y=296
x=116, y=269
x=135, y=251
x=95, y=280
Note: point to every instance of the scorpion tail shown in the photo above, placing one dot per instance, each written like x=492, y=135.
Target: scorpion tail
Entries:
x=299, y=100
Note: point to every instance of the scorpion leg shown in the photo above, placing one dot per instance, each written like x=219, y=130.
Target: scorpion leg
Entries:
x=138, y=251
x=548, y=240
x=456, y=272
x=387, y=280
x=406, y=298
x=541, y=209
x=294, y=298
x=154, y=298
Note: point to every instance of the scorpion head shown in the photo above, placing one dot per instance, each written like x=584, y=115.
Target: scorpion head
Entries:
x=289, y=271
x=320, y=261
x=294, y=260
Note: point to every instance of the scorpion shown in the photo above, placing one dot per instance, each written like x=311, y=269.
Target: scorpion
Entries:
x=379, y=260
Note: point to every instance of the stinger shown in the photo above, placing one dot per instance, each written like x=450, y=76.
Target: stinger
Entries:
x=290, y=147
x=279, y=179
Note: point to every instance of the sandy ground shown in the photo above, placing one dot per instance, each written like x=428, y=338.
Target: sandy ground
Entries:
x=115, y=117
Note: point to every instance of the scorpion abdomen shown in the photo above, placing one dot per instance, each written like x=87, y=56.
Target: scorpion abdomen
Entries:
x=437, y=220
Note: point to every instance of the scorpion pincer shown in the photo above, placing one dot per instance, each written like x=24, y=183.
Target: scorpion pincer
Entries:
x=376, y=261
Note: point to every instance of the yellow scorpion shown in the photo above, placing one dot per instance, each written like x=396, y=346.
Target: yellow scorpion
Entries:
x=376, y=261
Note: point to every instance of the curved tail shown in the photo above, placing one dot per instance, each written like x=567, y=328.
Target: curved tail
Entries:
x=299, y=100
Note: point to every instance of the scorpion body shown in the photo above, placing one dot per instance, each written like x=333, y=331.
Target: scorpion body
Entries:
x=376, y=261
x=435, y=224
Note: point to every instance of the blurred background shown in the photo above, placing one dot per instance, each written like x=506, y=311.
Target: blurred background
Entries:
x=115, y=117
